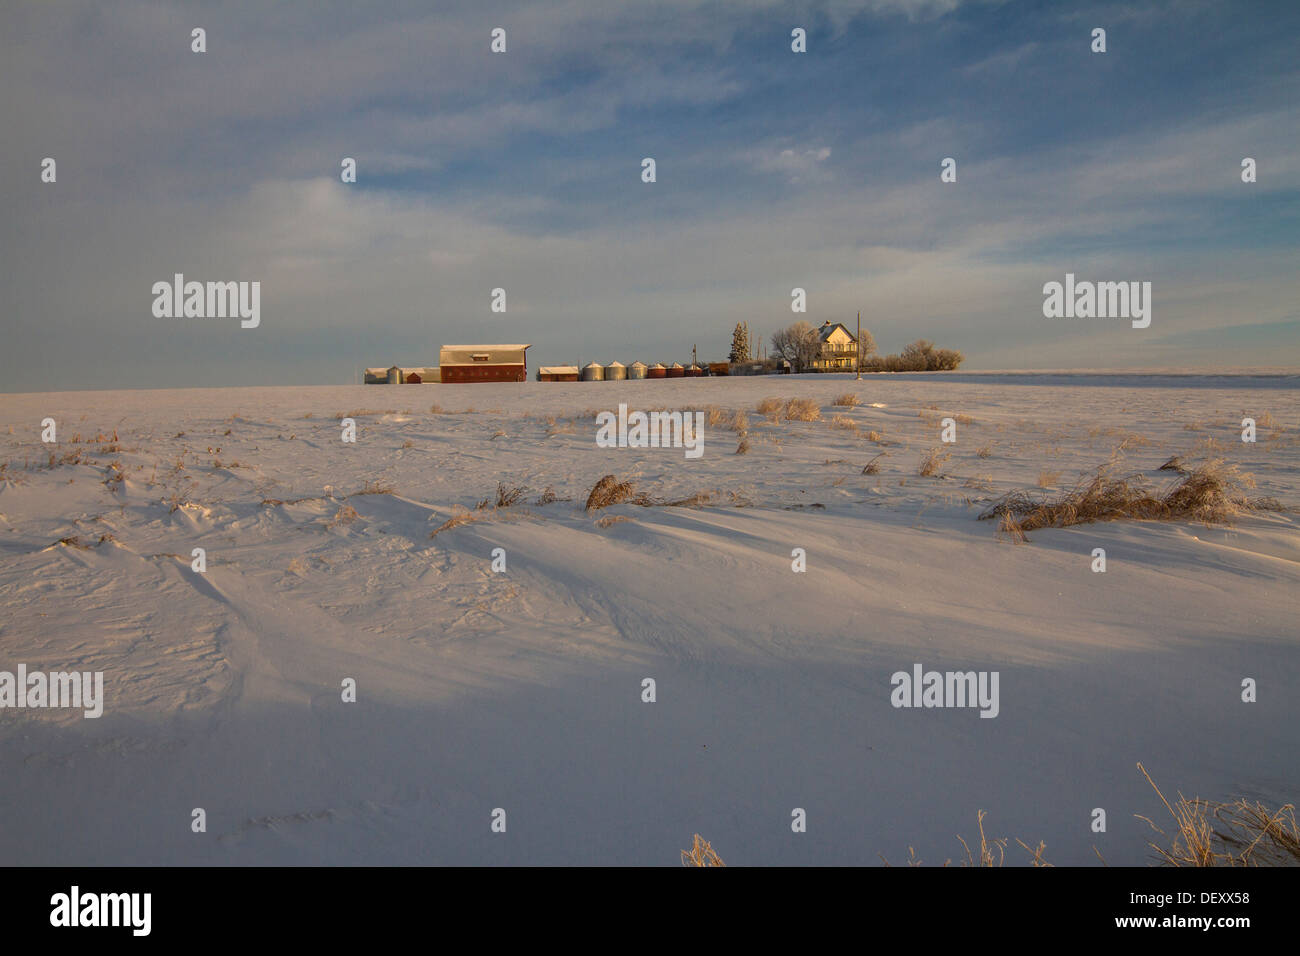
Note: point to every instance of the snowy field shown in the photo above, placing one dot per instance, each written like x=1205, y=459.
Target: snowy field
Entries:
x=522, y=690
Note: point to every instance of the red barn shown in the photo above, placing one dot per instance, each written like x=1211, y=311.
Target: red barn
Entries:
x=483, y=363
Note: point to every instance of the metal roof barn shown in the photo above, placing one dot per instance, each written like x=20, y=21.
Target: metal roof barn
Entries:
x=483, y=363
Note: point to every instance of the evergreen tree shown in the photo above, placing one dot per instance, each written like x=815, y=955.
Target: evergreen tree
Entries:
x=740, y=343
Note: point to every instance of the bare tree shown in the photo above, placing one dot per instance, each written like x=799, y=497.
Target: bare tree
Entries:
x=798, y=344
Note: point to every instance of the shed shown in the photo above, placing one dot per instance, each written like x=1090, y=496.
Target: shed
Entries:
x=483, y=363
x=557, y=373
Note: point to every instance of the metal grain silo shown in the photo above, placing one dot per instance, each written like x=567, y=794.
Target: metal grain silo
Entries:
x=656, y=371
x=615, y=372
x=637, y=370
x=591, y=372
x=676, y=370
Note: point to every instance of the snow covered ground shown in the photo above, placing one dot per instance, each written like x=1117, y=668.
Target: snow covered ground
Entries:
x=522, y=690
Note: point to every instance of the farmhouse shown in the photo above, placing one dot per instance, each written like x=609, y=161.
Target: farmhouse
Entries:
x=483, y=363
x=839, y=349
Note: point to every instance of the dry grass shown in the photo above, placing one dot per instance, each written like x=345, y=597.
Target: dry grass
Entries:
x=548, y=496
x=345, y=515
x=701, y=853
x=506, y=496
x=984, y=452
x=963, y=420
x=1226, y=834
x=606, y=521
x=992, y=852
x=933, y=460
x=874, y=436
x=1211, y=494
x=1173, y=464
x=374, y=488
x=609, y=491
x=873, y=467
x=847, y=400
x=742, y=448
x=458, y=519
x=1048, y=479
x=791, y=410
x=361, y=412
x=843, y=421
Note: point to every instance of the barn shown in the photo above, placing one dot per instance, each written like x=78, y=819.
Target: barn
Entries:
x=483, y=363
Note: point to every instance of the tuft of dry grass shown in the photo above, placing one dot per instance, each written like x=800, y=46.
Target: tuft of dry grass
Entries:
x=985, y=451
x=992, y=852
x=374, y=488
x=458, y=519
x=874, y=436
x=606, y=521
x=548, y=496
x=963, y=420
x=506, y=496
x=1225, y=834
x=742, y=448
x=873, y=467
x=701, y=853
x=843, y=421
x=791, y=410
x=1173, y=464
x=847, y=400
x=609, y=491
x=933, y=460
x=345, y=515
x=1047, y=478
x=1211, y=493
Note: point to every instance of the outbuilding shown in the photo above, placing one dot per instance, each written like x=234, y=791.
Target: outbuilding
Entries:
x=557, y=373
x=483, y=363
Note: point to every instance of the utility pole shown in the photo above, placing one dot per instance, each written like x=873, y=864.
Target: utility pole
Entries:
x=857, y=348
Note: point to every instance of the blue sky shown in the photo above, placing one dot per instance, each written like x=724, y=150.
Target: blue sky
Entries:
x=522, y=170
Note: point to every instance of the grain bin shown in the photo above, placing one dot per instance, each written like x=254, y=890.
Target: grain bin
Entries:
x=394, y=376
x=676, y=370
x=637, y=370
x=657, y=371
x=591, y=372
x=694, y=371
x=615, y=372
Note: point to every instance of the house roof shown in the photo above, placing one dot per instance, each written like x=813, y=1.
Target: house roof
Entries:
x=828, y=329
